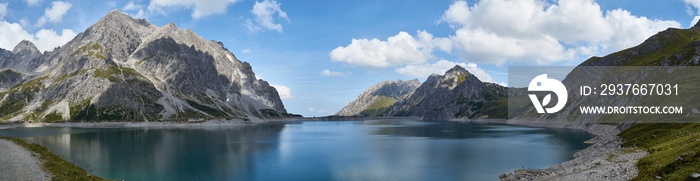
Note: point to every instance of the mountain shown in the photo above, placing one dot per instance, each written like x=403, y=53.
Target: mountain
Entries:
x=456, y=94
x=672, y=148
x=122, y=68
x=376, y=99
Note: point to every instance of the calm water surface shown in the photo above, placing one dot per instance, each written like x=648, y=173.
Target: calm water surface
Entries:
x=335, y=150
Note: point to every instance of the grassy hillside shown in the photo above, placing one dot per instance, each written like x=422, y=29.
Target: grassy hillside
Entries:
x=378, y=106
x=674, y=149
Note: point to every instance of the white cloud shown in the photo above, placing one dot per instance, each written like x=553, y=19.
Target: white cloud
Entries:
x=33, y=2
x=284, y=91
x=3, y=10
x=55, y=13
x=398, y=50
x=482, y=46
x=45, y=40
x=134, y=7
x=264, y=16
x=200, y=8
x=24, y=22
x=11, y=34
x=694, y=21
x=111, y=4
x=246, y=50
x=131, y=6
x=440, y=67
x=502, y=31
x=631, y=30
x=330, y=73
x=497, y=31
x=318, y=111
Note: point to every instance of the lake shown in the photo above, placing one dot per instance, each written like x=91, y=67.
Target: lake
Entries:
x=310, y=150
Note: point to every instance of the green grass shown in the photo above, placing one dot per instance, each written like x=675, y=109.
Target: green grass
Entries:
x=209, y=110
x=665, y=144
x=378, y=106
x=93, y=50
x=109, y=74
x=497, y=108
x=59, y=168
x=674, y=149
x=53, y=117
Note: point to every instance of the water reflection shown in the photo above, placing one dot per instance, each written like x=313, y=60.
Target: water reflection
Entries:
x=332, y=150
x=162, y=154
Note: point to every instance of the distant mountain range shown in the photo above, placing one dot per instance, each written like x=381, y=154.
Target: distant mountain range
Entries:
x=456, y=94
x=123, y=68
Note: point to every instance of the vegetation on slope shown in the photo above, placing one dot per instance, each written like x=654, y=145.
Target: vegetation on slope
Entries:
x=378, y=106
x=674, y=150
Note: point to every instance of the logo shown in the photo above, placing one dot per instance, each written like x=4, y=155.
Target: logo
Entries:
x=541, y=84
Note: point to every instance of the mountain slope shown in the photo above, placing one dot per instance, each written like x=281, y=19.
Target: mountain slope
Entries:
x=376, y=99
x=122, y=68
x=457, y=94
x=672, y=147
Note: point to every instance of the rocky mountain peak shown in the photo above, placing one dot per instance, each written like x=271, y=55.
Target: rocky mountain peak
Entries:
x=697, y=25
x=456, y=69
x=136, y=71
x=26, y=46
x=376, y=99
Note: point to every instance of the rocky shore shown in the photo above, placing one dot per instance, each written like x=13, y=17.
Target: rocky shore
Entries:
x=605, y=159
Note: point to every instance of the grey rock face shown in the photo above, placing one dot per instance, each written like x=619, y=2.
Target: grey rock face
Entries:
x=384, y=91
x=122, y=68
x=456, y=94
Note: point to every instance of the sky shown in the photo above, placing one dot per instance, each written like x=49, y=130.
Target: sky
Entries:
x=320, y=55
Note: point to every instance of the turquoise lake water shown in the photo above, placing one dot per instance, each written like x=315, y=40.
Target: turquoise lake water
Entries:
x=311, y=150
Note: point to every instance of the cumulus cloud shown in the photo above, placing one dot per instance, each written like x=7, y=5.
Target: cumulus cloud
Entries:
x=45, y=40
x=33, y=2
x=440, y=67
x=496, y=31
x=135, y=8
x=11, y=34
x=283, y=91
x=330, y=73
x=502, y=31
x=199, y=8
x=398, y=50
x=55, y=13
x=265, y=16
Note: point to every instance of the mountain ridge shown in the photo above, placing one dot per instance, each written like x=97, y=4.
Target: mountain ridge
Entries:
x=121, y=68
x=456, y=94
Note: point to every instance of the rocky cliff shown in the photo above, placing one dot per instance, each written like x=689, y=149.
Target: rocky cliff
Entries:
x=457, y=94
x=376, y=99
x=122, y=68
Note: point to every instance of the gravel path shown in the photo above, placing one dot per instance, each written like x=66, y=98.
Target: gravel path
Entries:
x=19, y=164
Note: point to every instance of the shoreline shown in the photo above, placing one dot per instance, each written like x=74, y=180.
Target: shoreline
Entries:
x=603, y=159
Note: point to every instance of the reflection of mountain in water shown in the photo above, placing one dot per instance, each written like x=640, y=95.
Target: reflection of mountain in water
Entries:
x=167, y=151
x=457, y=130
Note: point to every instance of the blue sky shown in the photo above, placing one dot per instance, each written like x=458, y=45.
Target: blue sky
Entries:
x=322, y=54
